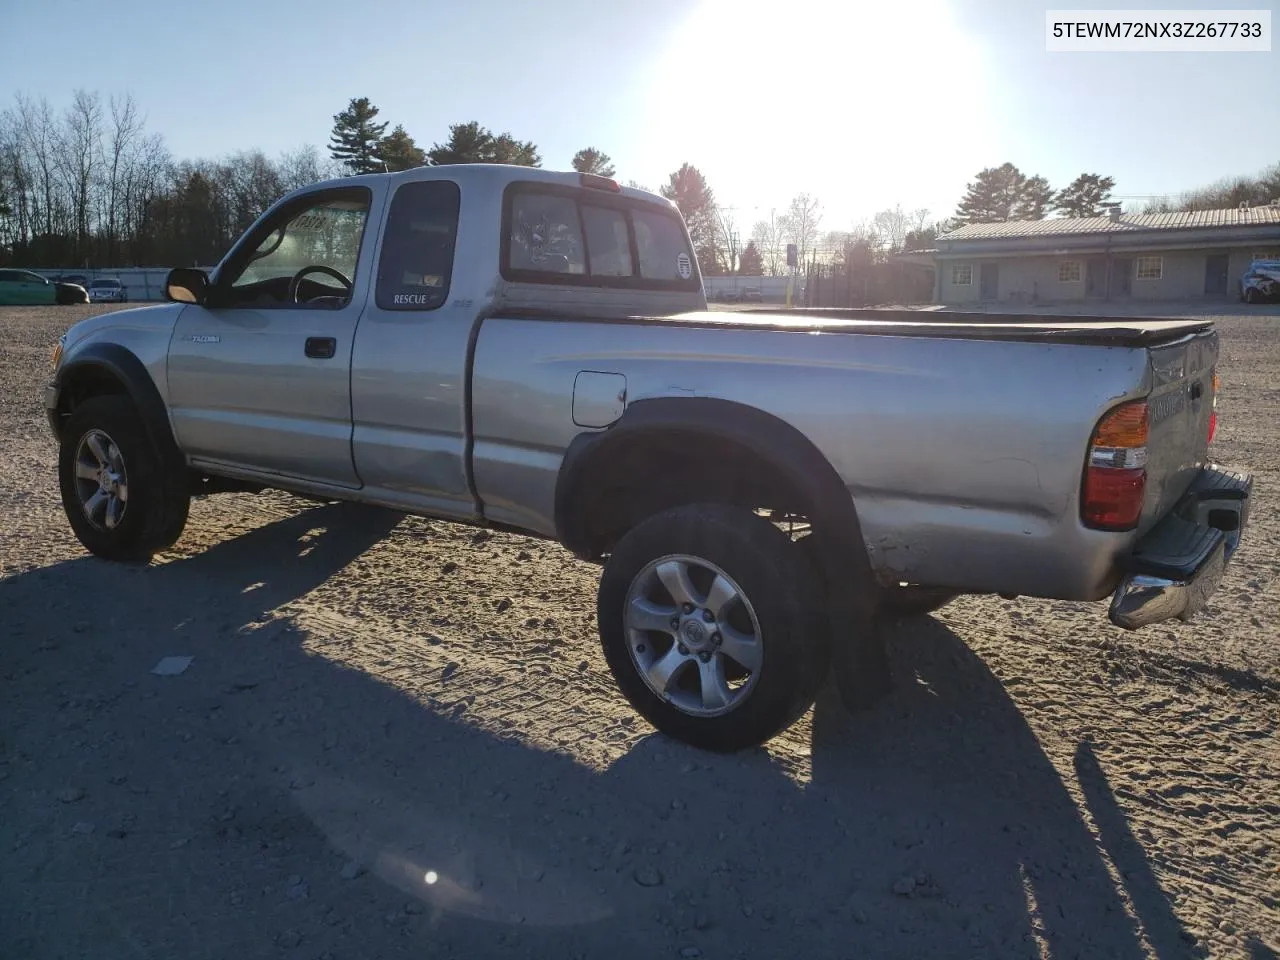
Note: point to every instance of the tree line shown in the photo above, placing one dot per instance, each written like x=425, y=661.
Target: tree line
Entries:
x=91, y=186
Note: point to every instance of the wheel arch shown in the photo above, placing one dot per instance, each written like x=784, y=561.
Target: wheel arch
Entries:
x=109, y=368
x=694, y=432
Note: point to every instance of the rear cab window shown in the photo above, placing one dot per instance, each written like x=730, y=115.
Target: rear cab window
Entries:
x=565, y=235
x=416, y=261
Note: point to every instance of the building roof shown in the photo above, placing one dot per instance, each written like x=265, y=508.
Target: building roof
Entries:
x=1124, y=224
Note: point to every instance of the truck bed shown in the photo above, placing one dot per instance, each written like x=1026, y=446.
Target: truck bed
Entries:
x=1096, y=331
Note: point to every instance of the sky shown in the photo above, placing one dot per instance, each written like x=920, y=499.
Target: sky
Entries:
x=865, y=105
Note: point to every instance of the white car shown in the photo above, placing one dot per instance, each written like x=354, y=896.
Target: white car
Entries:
x=107, y=290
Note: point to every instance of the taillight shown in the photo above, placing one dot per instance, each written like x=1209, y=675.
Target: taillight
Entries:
x=1213, y=415
x=1115, y=478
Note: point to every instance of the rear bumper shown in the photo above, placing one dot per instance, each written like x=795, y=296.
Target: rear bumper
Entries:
x=1178, y=564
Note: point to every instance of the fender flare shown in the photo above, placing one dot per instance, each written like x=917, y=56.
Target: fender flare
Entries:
x=763, y=434
x=122, y=365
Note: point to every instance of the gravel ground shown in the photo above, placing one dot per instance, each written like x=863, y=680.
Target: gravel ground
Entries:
x=398, y=738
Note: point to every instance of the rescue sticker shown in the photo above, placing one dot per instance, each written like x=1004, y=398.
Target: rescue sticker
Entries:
x=684, y=267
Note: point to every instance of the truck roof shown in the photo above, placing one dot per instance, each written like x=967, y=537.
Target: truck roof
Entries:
x=494, y=176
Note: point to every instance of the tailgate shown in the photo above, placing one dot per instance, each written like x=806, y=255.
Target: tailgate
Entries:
x=1179, y=409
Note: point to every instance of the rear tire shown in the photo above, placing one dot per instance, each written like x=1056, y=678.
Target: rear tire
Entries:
x=744, y=606
x=121, y=501
x=855, y=621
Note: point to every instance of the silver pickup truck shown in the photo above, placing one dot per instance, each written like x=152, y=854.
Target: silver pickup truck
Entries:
x=532, y=351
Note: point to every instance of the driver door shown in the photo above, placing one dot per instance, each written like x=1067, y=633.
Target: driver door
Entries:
x=259, y=376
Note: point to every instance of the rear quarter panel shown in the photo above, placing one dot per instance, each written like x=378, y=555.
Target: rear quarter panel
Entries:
x=963, y=457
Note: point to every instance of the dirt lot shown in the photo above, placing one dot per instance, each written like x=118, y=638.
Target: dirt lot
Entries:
x=398, y=738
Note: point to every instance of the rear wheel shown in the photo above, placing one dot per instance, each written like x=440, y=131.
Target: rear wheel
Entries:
x=121, y=501
x=711, y=622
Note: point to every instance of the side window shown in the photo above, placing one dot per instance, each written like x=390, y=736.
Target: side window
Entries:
x=7, y=276
x=416, y=261
x=325, y=234
x=664, y=254
x=545, y=234
x=608, y=247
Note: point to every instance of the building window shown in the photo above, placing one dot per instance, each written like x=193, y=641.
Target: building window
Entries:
x=961, y=274
x=1150, y=268
x=1069, y=271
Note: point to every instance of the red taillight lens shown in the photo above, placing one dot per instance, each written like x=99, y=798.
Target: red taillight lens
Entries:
x=1115, y=476
x=1113, y=498
x=1213, y=417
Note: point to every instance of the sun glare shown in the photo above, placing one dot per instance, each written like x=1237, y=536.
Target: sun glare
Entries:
x=823, y=96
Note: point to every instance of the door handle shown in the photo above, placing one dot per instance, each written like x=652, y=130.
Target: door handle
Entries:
x=322, y=348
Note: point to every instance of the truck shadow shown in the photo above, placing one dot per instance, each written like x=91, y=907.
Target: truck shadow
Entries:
x=933, y=826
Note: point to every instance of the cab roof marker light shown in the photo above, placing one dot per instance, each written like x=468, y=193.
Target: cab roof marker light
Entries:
x=595, y=182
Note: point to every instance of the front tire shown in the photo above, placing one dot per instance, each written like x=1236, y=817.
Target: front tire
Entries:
x=121, y=501
x=711, y=621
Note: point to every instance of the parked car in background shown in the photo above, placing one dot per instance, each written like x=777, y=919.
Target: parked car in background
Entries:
x=107, y=290
x=1261, y=282
x=752, y=295
x=25, y=287
x=75, y=279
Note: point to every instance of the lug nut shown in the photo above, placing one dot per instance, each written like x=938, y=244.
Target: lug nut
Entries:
x=716, y=639
x=704, y=657
x=675, y=623
x=687, y=608
x=684, y=651
x=708, y=616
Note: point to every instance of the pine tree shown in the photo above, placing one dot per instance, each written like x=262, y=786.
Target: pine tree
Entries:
x=1084, y=196
x=688, y=189
x=399, y=152
x=751, y=263
x=472, y=143
x=591, y=160
x=355, y=139
x=992, y=196
x=1036, y=198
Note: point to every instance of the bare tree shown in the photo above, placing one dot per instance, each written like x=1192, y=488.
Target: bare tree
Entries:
x=300, y=168
x=251, y=183
x=728, y=240
x=79, y=149
x=769, y=236
x=38, y=133
x=892, y=226
x=120, y=156
x=801, y=224
x=144, y=183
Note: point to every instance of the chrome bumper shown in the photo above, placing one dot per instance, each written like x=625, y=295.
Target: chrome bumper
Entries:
x=1178, y=565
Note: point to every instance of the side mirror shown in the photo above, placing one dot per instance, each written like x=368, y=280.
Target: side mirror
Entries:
x=186, y=285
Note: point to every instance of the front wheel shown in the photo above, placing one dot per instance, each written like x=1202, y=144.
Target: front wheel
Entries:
x=121, y=501
x=712, y=624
